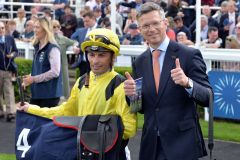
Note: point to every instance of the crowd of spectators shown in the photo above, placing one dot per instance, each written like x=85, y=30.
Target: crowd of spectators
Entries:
x=219, y=27
x=225, y=19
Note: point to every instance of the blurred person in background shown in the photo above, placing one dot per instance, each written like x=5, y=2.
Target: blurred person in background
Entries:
x=237, y=32
x=170, y=32
x=204, y=27
x=180, y=27
x=98, y=14
x=133, y=37
x=20, y=20
x=47, y=12
x=221, y=12
x=46, y=78
x=174, y=9
x=206, y=10
x=182, y=39
x=8, y=51
x=28, y=34
x=64, y=43
x=213, y=40
x=11, y=29
x=27, y=8
x=68, y=22
x=106, y=23
x=132, y=18
x=58, y=6
x=34, y=12
x=228, y=21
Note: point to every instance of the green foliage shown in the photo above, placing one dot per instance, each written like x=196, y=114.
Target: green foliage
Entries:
x=122, y=70
x=223, y=130
x=7, y=157
x=227, y=131
x=24, y=68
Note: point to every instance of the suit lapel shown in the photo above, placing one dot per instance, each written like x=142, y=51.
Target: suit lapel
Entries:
x=169, y=62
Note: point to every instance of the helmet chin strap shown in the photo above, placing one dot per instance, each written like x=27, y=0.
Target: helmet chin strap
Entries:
x=88, y=71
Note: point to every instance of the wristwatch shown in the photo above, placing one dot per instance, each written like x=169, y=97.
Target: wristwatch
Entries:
x=190, y=83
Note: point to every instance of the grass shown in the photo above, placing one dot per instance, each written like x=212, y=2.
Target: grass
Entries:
x=222, y=130
x=7, y=157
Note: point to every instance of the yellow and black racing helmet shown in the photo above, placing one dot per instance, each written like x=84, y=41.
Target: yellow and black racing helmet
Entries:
x=101, y=39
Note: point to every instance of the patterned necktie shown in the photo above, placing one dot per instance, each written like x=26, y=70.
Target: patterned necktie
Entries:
x=156, y=68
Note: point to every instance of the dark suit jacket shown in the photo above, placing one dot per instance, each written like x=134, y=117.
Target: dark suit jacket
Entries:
x=7, y=48
x=79, y=36
x=172, y=113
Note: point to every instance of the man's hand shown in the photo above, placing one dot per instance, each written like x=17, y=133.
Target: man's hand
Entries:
x=22, y=107
x=178, y=75
x=76, y=50
x=129, y=85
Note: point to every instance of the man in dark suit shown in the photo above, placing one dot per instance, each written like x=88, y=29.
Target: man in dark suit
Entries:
x=89, y=23
x=173, y=84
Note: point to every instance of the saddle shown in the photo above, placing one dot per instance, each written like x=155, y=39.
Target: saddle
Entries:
x=99, y=136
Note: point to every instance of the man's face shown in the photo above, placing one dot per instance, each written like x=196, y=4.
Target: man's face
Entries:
x=203, y=22
x=2, y=29
x=213, y=35
x=68, y=11
x=153, y=28
x=29, y=26
x=88, y=22
x=231, y=6
x=181, y=38
x=178, y=24
x=100, y=62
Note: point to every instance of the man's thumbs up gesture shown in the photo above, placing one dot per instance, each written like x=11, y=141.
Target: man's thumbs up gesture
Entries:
x=129, y=85
x=178, y=75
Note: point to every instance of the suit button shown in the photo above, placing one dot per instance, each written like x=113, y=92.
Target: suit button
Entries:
x=157, y=109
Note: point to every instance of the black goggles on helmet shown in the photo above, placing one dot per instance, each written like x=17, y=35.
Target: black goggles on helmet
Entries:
x=102, y=39
x=97, y=48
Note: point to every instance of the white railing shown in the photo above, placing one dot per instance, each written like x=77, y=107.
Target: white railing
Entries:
x=131, y=51
x=12, y=11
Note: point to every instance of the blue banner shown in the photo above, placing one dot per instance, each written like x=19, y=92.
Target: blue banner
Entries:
x=38, y=138
x=226, y=87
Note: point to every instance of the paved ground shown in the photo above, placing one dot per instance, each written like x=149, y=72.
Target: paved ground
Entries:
x=222, y=150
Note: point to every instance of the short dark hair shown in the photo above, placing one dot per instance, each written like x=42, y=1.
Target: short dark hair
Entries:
x=177, y=18
x=212, y=29
x=149, y=7
x=89, y=14
x=68, y=6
